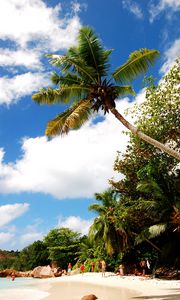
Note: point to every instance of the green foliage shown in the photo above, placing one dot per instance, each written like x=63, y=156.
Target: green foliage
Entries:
x=32, y=256
x=6, y=263
x=63, y=246
x=137, y=63
x=149, y=191
x=85, y=77
x=7, y=259
x=71, y=118
x=103, y=227
x=158, y=115
x=87, y=249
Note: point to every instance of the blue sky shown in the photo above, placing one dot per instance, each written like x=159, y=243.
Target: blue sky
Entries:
x=45, y=184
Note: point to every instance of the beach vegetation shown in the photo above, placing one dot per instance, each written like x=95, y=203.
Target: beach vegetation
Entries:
x=104, y=225
x=63, y=246
x=138, y=217
x=7, y=258
x=149, y=191
x=32, y=256
x=87, y=249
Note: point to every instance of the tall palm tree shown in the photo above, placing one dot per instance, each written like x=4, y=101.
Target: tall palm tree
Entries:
x=85, y=83
x=104, y=225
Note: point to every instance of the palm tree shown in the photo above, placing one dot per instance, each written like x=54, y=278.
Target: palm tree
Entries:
x=162, y=189
x=86, y=84
x=86, y=248
x=104, y=226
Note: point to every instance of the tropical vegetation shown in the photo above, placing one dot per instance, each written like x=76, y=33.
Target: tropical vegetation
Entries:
x=138, y=216
x=86, y=83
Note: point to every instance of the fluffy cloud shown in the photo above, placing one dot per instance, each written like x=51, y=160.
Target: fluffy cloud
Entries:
x=34, y=29
x=75, y=223
x=170, y=55
x=30, y=235
x=33, y=20
x=10, y=212
x=11, y=89
x=133, y=8
x=17, y=238
x=27, y=58
x=168, y=6
x=76, y=165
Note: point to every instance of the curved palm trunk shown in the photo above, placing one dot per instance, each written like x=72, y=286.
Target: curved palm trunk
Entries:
x=143, y=136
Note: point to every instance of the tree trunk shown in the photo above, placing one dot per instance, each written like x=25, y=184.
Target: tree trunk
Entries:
x=153, y=245
x=143, y=136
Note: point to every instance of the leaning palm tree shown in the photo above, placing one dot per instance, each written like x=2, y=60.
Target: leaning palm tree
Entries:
x=86, y=84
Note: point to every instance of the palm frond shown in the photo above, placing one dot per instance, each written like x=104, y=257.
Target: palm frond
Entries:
x=138, y=63
x=75, y=64
x=150, y=186
x=56, y=60
x=144, y=205
x=72, y=118
x=65, y=94
x=97, y=208
x=150, y=233
x=69, y=79
x=96, y=230
x=109, y=247
x=124, y=90
x=156, y=230
x=92, y=52
x=48, y=96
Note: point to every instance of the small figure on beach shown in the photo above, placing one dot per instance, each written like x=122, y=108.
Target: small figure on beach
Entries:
x=103, y=267
x=148, y=264
x=121, y=269
x=143, y=266
x=99, y=266
x=92, y=266
x=69, y=269
x=13, y=276
x=82, y=268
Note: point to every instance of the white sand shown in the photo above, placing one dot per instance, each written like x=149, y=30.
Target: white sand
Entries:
x=111, y=287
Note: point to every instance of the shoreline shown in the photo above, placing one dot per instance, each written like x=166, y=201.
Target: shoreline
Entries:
x=110, y=287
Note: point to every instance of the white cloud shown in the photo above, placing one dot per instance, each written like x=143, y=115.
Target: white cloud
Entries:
x=167, y=6
x=18, y=238
x=31, y=29
x=30, y=237
x=5, y=239
x=76, y=7
x=10, y=212
x=33, y=20
x=170, y=56
x=75, y=223
x=76, y=165
x=26, y=58
x=133, y=8
x=11, y=89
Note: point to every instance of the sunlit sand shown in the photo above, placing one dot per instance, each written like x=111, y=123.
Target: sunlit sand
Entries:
x=110, y=287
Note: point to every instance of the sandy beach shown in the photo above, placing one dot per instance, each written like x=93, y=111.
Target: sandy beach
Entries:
x=111, y=287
